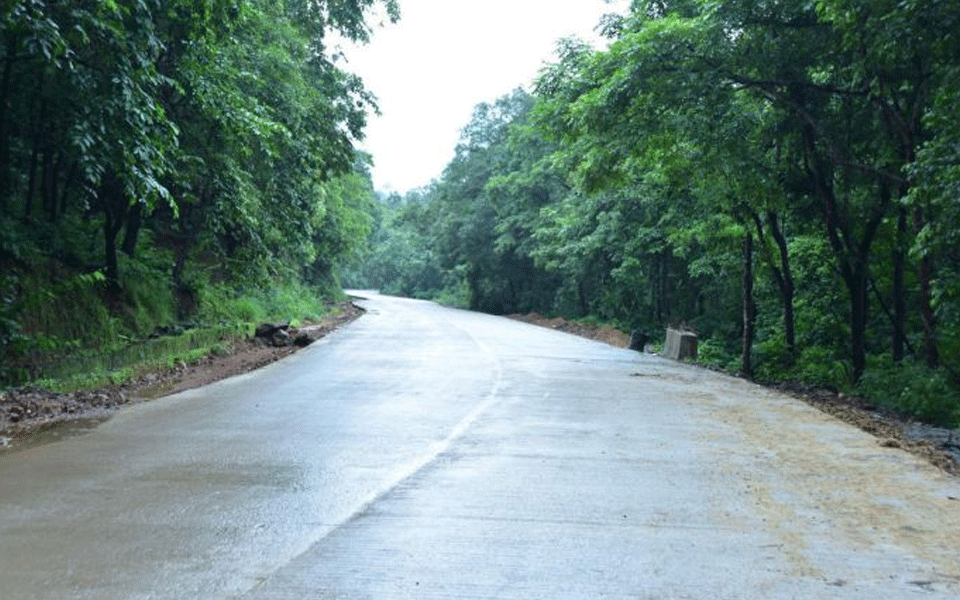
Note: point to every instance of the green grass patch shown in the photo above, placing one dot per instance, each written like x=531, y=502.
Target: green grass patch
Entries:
x=280, y=302
x=82, y=371
x=108, y=349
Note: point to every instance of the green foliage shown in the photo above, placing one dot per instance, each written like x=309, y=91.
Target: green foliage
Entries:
x=89, y=370
x=12, y=338
x=226, y=304
x=279, y=301
x=911, y=388
x=58, y=316
x=773, y=360
x=149, y=299
x=780, y=176
x=150, y=148
x=715, y=356
x=820, y=366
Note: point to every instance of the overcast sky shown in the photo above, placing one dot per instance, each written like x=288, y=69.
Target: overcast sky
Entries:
x=443, y=58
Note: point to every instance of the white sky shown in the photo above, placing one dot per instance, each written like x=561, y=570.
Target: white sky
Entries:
x=443, y=58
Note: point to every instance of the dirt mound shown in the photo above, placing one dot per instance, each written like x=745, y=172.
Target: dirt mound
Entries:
x=605, y=333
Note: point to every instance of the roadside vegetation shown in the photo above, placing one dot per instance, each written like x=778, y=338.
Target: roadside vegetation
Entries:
x=175, y=169
x=781, y=177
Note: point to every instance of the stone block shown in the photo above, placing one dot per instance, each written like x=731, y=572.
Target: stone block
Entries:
x=680, y=345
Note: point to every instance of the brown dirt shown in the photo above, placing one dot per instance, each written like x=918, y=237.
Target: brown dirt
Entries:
x=937, y=446
x=891, y=430
x=605, y=334
x=28, y=411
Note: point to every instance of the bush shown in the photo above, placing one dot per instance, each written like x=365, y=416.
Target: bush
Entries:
x=912, y=389
x=292, y=301
x=714, y=356
x=282, y=301
x=820, y=366
x=220, y=303
x=148, y=290
x=772, y=360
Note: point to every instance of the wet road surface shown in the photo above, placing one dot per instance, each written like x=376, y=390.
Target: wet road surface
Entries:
x=422, y=452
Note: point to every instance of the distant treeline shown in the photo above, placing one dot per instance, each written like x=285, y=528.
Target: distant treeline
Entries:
x=783, y=177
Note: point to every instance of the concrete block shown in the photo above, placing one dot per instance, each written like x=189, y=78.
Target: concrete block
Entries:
x=680, y=345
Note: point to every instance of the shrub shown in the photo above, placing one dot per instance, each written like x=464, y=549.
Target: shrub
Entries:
x=913, y=389
x=714, y=356
x=820, y=366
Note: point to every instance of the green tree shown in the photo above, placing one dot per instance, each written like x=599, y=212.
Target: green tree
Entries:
x=221, y=131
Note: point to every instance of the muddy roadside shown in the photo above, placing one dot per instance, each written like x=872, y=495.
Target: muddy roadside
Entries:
x=30, y=415
x=939, y=446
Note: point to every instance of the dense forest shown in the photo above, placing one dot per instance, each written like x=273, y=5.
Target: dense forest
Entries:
x=174, y=161
x=782, y=177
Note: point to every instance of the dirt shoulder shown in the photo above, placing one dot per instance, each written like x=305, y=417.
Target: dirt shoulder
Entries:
x=605, y=334
x=940, y=447
x=28, y=412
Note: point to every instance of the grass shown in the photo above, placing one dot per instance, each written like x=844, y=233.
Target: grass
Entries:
x=77, y=373
x=76, y=336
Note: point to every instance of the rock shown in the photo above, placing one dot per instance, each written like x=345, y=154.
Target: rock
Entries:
x=302, y=339
x=267, y=330
x=638, y=340
x=280, y=338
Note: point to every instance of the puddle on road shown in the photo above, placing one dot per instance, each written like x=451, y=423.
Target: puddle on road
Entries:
x=51, y=433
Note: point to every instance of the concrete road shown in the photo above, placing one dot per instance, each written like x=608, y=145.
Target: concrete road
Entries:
x=430, y=453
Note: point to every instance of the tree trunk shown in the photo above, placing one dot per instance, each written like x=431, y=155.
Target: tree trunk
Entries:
x=111, y=264
x=853, y=254
x=582, y=299
x=54, y=190
x=857, y=283
x=5, y=166
x=134, y=222
x=114, y=210
x=663, y=304
x=67, y=184
x=31, y=178
x=749, y=307
x=931, y=353
x=48, y=179
x=655, y=311
x=899, y=317
x=785, y=283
